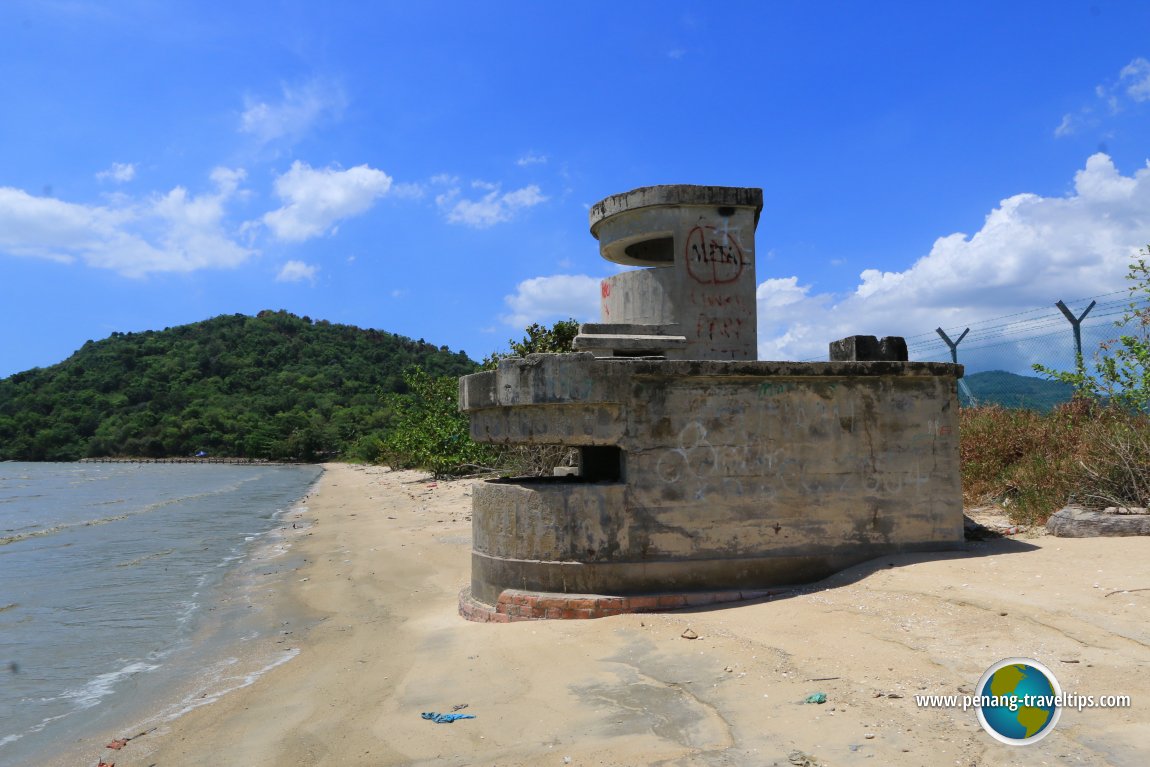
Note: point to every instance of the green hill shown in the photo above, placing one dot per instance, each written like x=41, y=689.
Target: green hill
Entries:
x=274, y=386
x=997, y=387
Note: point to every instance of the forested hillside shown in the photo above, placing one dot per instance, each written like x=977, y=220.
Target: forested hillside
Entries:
x=273, y=386
x=997, y=387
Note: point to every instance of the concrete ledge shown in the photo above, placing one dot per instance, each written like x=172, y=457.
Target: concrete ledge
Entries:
x=1081, y=523
x=628, y=343
x=491, y=576
x=675, y=194
x=583, y=380
x=517, y=605
x=625, y=328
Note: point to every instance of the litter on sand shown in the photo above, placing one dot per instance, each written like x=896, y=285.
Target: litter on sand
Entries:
x=818, y=697
x=445, y=718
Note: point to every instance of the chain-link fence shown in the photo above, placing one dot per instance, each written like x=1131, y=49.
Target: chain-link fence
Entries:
x=999, y=354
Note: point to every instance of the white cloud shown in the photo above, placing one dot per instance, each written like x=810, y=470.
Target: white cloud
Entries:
x=1132, y=85
x=317, y=199
x=120, y=172
x=490, y=209
x=1030, y=252
x=407, y=190
x=173, y=232
x=1068, y=126
x=297, y=271
x=545, y=299
x=298, y=110
x=1135, y=76
x=531, y=158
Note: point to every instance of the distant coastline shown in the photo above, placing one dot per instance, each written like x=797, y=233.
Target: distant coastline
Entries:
x=184, y=459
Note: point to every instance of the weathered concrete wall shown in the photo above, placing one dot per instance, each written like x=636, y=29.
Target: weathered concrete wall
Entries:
x=641, y=296
x=551, y=519
x=735, y=474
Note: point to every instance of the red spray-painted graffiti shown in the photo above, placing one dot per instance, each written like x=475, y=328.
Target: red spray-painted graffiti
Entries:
x=713, y=257
x=717, y=328
x=605, y=290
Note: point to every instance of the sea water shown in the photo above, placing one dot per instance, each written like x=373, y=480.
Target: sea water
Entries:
x=111, y=577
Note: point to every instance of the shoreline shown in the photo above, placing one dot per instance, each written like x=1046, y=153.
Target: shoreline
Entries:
x=237, y=639
x=380, y=571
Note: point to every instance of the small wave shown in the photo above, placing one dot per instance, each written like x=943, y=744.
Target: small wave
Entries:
x=146, y=557
x=4, y=541
x=146, y=509
x=31, y=730
x=102, y=686
x=187, y=609
x=9, y=606
x=239, y=683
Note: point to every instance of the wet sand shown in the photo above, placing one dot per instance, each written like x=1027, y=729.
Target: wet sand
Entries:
x=372, y=611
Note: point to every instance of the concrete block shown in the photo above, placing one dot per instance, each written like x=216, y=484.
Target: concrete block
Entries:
x=868, y=349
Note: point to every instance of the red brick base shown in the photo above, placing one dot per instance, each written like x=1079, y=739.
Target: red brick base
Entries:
x=515, y=605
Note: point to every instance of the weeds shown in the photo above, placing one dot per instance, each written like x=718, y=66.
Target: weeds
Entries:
x=1034, y=464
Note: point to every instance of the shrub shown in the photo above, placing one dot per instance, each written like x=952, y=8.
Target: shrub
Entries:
x=429, y=432
x=1022, y=459
x=1082, y=452
x=1114, y=466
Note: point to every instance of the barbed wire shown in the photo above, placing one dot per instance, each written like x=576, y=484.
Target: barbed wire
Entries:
x=1040, y=323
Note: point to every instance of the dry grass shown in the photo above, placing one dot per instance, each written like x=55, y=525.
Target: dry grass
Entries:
x=1035, y=463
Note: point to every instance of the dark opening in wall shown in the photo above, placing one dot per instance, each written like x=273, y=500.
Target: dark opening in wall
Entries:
x=660, y=250
x=601, y=463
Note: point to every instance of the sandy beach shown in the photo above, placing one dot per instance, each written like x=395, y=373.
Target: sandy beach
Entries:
x=372, y=610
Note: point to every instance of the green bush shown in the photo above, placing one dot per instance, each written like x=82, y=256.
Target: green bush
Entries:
x=429, y=432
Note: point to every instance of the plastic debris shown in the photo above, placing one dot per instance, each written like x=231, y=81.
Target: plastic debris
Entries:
x=818, y=697
x=444, y=718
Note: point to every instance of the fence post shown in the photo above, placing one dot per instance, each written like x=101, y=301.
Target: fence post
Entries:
x=954, y=358
x=1076, y=323
x=952, y=344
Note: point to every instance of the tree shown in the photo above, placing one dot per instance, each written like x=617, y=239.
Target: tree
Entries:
x=273, y=386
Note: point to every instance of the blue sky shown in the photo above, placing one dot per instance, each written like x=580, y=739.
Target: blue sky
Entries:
x=427, y=168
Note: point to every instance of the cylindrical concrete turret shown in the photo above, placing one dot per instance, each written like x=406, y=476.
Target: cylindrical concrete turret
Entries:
x=698, y=288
